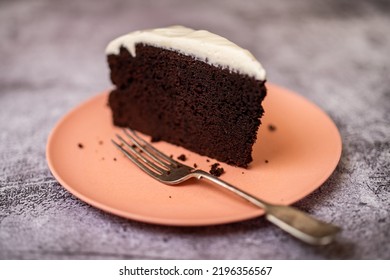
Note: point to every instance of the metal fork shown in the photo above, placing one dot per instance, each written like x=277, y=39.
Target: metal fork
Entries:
x=168, y=171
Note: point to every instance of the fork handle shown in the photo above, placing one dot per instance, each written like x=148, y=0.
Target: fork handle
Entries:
x=290, y=219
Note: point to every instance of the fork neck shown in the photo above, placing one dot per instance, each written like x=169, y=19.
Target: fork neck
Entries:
x=200, y=174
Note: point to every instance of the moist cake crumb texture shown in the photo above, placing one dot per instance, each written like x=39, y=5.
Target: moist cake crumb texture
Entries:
x=173, y=97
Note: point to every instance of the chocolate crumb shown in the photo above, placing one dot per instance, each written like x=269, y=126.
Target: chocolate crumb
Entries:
x=266, y=161
x=271, y=127
x=101, y=142
x=243, y=172
x=207, y=160
x=81, y=146
x=155, y=139
x=182, y=157
x=216, y=171
x=195, y=165
x=114, y=159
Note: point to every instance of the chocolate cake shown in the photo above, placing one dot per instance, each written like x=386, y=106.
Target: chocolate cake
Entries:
x=191, y=88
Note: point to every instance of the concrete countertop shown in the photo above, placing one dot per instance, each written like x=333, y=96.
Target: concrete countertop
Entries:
x=334, y=53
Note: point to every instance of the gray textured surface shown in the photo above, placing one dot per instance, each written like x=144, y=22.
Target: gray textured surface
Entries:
x=335, y=53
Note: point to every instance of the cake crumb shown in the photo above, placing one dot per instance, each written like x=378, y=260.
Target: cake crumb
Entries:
x=271, y=127
x=101, y=142
x=266, y=161
x=155, y=139
x=182, y=157
x=114, y=159
x=170, y=196
x=80, y=145
x=216, y=171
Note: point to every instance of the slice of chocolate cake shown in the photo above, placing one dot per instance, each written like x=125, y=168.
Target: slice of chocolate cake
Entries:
x=191, y=88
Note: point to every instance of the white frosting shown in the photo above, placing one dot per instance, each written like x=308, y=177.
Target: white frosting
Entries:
x=203, y=45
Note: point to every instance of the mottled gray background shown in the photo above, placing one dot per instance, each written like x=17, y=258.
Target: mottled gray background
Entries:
x=335, y=53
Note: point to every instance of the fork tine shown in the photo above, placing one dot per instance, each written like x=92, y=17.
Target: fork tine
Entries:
x=147, y=146
x=135, y=160
x=140, y=155
x=144, y=148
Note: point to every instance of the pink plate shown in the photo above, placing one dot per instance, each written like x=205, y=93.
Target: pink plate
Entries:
x=290, y=161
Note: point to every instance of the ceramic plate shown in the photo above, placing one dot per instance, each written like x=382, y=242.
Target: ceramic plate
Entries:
x=298, y=148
